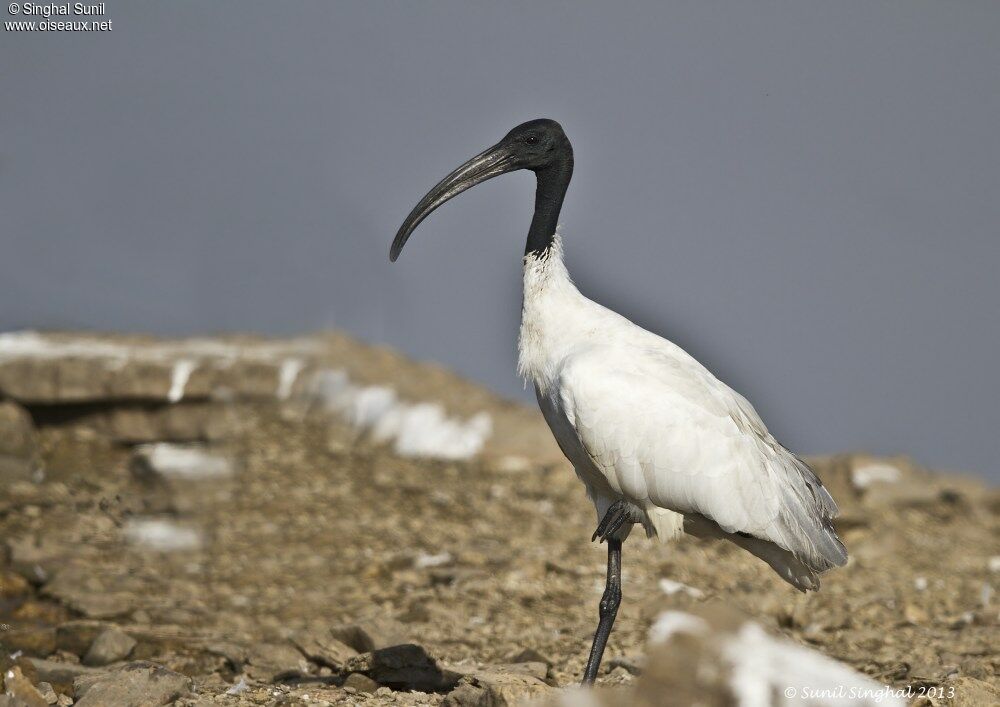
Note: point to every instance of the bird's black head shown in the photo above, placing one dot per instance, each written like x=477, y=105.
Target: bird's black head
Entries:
x=538, y=145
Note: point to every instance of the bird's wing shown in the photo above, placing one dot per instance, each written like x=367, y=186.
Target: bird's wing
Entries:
x=667, y=433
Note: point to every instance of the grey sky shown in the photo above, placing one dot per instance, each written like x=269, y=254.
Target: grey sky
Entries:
x=802, y=194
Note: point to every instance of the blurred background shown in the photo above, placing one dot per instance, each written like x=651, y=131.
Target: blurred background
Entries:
x=802, y=195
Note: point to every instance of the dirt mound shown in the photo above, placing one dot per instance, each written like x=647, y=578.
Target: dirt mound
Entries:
x=306, y=551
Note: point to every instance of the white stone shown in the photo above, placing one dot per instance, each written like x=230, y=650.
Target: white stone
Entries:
x=161, y=535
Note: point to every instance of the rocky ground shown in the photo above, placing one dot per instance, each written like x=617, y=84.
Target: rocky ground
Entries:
x=243, y=522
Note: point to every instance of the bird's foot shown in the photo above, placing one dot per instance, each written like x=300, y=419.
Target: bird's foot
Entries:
x=617, y=515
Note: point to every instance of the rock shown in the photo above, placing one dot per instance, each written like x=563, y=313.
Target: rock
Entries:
x=38, y=642
x=319, y=646
x=496, y=687
x=137, y=684
x=630, y=664
x=60, y=675
x=162, y=535
x=78, y=588
x=367, y=636
x=618, y=674
x=182, y=422
x=914, y=614
x=154, y=640
x=9, y=661
x=183, y=479
x=875, y=483
x=110, y=646
x=17, y=431
x=417, y=613
x=361, y=683
x=70, y=368
x=77, y=636
x=36, y=558
x=969, y=692
x=403, y=667
x=168, y=462
x=271, y=662
x=532, y=668
x=13, y=585
x=39, y=613
x=18, y=444
x=529, y=655
x=836, y=473
x=18, y=686
x=48, y=693
x=235, y=655
x=715, y=655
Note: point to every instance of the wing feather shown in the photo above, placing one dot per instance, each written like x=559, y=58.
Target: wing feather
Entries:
x=668, y=434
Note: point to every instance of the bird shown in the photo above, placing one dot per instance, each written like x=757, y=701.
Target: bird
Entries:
x=657, y=440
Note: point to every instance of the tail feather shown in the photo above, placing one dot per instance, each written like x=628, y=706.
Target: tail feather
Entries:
x=808, y=516
x=785, y=564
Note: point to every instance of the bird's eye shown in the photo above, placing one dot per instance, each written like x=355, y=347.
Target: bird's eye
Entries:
x=531, y=139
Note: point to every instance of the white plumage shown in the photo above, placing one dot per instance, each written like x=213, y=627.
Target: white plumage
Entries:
x=644, y=422
x=655, y=437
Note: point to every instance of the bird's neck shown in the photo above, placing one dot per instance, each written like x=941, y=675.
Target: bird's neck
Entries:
x=553, y=181
x=551, y=313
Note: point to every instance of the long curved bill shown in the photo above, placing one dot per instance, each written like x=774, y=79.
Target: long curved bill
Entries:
x=490, y=163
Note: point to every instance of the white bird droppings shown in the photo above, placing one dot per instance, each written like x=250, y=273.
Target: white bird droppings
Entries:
x=414, y=429
x=868, y=474
x=287, y=375
x=425, y=561
x=183, y=462
x=179, y=379
x=161, y=535
x=31, y=344
x=920, y=583
x=239, y=688
x=764, y=666
x=765, y=670
x=671, y=622
x=424, y=430
x=670, y=587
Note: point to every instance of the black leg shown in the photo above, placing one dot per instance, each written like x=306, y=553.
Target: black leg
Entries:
x=610, y=602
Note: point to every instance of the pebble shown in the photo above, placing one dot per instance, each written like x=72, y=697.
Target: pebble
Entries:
x=60, y=675
x=110, y=646
x=403, y=667
x=13, y=585
x=138, y=683
x=77, y=636
x=270, y=662
x=360, y=683
x=319, y=646
x=48, y=693
x=18, y=686
x=495, y=687
x=366, y=636
x=33, y=641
